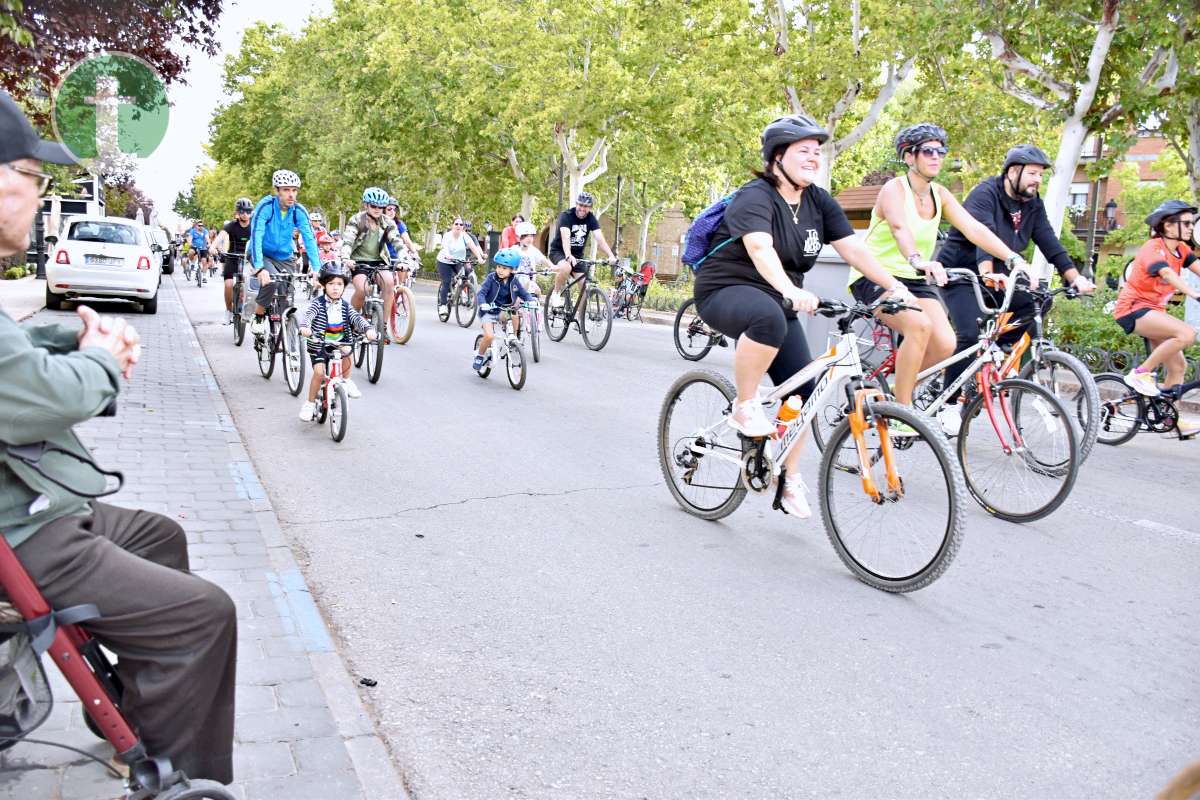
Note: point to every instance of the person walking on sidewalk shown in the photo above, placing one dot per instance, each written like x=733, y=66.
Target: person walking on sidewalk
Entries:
x=174, y=634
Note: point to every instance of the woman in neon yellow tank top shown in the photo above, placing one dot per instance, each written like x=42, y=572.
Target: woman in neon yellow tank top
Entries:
x=903, y=233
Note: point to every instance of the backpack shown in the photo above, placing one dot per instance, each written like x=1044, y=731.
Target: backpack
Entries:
x=698, y=244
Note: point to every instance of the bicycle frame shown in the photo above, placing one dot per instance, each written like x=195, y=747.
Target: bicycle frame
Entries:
x=837, y=364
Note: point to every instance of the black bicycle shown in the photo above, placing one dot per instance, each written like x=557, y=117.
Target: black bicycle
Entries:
x=461, y=300
x=372, y=352
x=1124, y=412
x=628, y=293
x=693, y=337
x=282, y=336
x=584, y=306
x=239, y=302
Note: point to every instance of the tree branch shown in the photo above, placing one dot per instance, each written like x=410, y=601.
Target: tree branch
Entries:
x=777, y=13
x=891, y=83
x=843, y=103
x=518, y=173
x=601, y=168
x=856, y=26
x=1010, y=87
x=1014, y=62
x=793, y=100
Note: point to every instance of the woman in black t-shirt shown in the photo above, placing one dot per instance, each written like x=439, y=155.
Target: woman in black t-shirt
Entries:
x=776, y=226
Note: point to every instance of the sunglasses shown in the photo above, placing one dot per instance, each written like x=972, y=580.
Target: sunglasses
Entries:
x=458, y=224
x=42, y=178
x=1187, y=223
x=930, y=152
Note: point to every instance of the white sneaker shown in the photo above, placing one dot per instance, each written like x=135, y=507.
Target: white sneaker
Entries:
x=228, y=317
x=556, y=299
x=795, y=497
x=258, y=326
x=1143, y=383
x=352, y=390
x=950, y=417
x=307, y=411
x=749, y=419
x=443, y=310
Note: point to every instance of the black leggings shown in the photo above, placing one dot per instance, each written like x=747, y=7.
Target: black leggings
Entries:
x=963, y=309
x=447, y=273
x=747, y=310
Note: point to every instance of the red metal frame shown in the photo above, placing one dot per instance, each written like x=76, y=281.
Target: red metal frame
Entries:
x=69, y=641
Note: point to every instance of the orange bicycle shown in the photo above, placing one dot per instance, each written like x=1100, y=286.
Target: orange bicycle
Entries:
x=892, y=506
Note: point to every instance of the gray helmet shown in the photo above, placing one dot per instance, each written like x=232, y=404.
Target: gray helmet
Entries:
x=243, y=206
x=785, y=130
x=585, y=199
x=334, y=269
x=908, y=138
x=1170, y=208
x=1025, y=154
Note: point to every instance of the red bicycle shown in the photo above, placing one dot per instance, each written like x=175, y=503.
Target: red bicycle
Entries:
x=30, y=628
x=332, y=402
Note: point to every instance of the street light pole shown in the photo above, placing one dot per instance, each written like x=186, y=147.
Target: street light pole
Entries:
x=1091, y=217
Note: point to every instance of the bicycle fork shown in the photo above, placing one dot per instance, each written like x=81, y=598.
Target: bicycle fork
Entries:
x=859, y=424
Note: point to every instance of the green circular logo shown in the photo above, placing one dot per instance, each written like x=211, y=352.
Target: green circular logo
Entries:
x=110, y=107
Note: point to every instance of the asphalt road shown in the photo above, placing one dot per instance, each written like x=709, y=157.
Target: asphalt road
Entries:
x=543, y=621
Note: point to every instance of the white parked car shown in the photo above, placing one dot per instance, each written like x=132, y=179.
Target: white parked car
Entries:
x=104, y=257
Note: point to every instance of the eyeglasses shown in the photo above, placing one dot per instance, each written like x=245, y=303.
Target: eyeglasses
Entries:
x=1187, y=223
x=930, y=152
x=43, y=178
x=378, y=208
x=458, y=224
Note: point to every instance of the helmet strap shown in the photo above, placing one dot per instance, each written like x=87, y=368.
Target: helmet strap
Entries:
x=1015, y=186
x=784, y=172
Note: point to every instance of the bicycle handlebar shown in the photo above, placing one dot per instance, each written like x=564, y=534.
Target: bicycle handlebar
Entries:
x=1013, y=279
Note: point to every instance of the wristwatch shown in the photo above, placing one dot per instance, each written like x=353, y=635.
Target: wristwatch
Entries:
x=914, y=260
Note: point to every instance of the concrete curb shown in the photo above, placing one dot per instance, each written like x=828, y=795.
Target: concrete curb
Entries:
x=373, y=766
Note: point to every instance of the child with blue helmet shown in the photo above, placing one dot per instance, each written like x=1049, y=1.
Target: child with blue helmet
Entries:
x=500, y=289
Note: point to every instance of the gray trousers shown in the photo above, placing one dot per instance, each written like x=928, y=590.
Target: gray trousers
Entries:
x=175, y=635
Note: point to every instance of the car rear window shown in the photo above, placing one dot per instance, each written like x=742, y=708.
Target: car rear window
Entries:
x=108, y=232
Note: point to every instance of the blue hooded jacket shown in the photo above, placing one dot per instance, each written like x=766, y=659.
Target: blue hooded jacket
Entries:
x=495, y=292
x=271, y=232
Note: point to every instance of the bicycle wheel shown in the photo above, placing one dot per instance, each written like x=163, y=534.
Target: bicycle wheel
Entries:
x=905, y=540
x=700, y=455
x=535, y=334
x=265, y=347
x=1121, y=410
x=322, y=411
x=444, y=316
x=339, y=413
x=360, y=350
x=597, y=319
x=293, y=356
x=514, y=365
x=1020, y=461
x=1071, y=382
x=1122, y=361
x=197, y=790
x=692, y=337
x=464, y=305
x=557, y=317
x=374, y=350
x=199, y=275
x=1094, y=359
x=404, y=316
x=239, y=322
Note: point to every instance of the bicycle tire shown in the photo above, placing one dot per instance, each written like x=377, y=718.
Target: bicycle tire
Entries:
x=293, y=356
x=199, y=276
x=670, y=454
x=374, y=350
x=265, y=349
x=535, y=336
x=404, y=316
x=322, y=412
x=445, y=316
x=465, y=307
x=197, y=790
x=339, y=414
x=359, y=351
x=1061, y=466
x=685, y=330
x=1084, y=402
x=596, y=309
x=1094, y=359
x=1121, y=361
x=239, y=322
x=1117, y=401
x=557, y=321
x=515, y=352
x=943, y=464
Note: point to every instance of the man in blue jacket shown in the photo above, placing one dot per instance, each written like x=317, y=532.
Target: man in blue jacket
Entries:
x=275, y=219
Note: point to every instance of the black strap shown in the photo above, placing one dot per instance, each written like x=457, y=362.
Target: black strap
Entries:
x=41, y=629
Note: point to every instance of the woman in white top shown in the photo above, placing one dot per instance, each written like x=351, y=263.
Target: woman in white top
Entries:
x=455, y=244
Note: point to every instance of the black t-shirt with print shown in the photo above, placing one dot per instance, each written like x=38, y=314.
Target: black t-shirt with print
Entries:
x=580, y=230
x=759, y=208
x=238, y=236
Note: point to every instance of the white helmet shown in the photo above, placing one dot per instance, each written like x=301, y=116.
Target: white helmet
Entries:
x=284, y=178
x=526, y=229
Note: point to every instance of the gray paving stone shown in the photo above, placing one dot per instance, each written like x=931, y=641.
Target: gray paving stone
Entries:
x=255, y=699
x=90, y=782
x=273, y=671
x=342, y=786
x=323, y=756
x=30, y=783
x=300, y=693
x=284, y=725
x=257, y=760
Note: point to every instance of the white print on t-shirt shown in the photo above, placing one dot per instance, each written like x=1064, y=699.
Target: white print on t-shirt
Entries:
x=579, y=234
x=812, y=243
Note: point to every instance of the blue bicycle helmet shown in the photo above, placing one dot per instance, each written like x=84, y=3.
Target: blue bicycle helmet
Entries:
x=508, y=257
x=374, y=196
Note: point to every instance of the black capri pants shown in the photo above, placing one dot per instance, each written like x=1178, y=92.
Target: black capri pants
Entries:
x=749, y=311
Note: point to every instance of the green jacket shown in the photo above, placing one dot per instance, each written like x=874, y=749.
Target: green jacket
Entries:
x=361, y=242
x=47, y=385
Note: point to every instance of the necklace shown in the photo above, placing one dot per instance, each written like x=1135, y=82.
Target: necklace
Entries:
x=795, y=212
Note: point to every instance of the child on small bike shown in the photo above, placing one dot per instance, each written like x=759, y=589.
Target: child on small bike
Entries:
x=328, y=316
x=532, y=259
x=501, y=288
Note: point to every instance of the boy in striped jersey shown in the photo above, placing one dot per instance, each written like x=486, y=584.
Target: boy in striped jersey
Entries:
x=332, y=319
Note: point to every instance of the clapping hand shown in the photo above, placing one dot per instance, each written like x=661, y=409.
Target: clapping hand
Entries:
x=113, y=334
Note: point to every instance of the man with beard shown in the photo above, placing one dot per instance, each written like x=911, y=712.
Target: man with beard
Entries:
x=1010, y=207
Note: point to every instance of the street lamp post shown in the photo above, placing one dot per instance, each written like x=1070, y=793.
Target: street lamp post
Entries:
x=1110, y=214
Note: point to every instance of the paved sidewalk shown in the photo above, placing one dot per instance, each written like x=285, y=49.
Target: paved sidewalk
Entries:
x=302, y=731
x=22, y=298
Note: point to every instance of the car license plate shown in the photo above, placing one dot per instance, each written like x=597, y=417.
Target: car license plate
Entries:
x=103, y=261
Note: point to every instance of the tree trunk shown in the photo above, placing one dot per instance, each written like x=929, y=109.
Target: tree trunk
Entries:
x=644, y=229
x=1193, y=159
x=434, y=216
x=527, y=206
